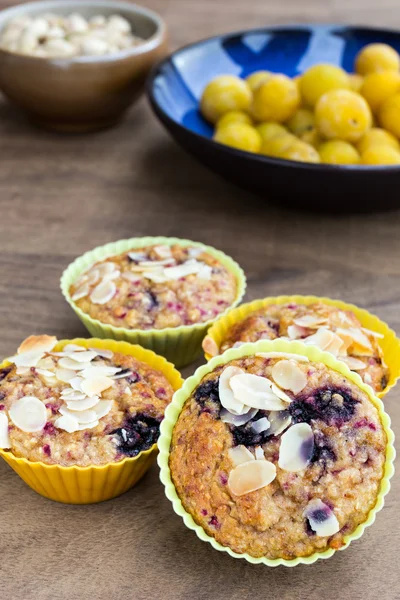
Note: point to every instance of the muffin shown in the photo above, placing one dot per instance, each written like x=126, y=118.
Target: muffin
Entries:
x=161, y=293
x=276, y=456
x=329, y=327
x=155, y=287
x=79, y=406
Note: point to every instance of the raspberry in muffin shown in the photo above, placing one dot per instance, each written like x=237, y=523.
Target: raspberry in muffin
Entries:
x=79, y=406
x=330, y=328
x=277, y=456
x=156, y=287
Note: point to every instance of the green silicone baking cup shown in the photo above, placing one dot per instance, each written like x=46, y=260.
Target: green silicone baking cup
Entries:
x=314, y=354
x=179, y=345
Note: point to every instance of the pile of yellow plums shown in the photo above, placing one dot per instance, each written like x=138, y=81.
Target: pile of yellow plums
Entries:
x=324, y=115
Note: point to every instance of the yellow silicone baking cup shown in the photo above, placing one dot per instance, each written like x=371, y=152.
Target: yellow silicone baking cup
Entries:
x=390, y=344
x=314, y=354
x=87, y=485
x=180, y=345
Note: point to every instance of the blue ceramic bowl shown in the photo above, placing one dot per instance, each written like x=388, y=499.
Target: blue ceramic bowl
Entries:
x=175, y=86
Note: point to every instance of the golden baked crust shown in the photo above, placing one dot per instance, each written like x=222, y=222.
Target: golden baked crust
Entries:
x=345, y=470
x=143, y=303
x=139, y=401
x=273, y=322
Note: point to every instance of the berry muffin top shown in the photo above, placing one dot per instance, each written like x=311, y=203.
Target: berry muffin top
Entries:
x=277, y=456
x=79, y=406
x=156, y=287
x=330, y=328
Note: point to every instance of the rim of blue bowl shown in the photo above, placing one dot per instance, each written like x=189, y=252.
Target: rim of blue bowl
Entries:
x=167, y=120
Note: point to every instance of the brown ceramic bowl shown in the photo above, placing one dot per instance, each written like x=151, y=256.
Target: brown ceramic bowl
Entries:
x=86, y=92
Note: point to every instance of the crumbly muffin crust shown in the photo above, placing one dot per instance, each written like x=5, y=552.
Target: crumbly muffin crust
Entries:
x=138, y=399
x=156, y=287
x=277, y=321
x=344, y=471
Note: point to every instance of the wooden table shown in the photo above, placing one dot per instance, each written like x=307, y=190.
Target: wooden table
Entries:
x=61, y=196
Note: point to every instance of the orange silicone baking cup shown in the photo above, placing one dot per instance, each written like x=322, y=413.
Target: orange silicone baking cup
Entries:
x=389, y=344
x=87, y=485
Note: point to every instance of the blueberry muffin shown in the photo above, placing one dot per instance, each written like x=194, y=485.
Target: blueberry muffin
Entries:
x=79, y=406
x=328, y=327
x=155, y=287
x=277, y=456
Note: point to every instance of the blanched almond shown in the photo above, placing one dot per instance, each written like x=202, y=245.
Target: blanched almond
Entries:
x=251, y=476
x=240, y=454
x=297, y=447
x=289, y=376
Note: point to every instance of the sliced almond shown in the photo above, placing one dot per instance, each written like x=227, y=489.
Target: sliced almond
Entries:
x=106, y=268
x=251, y=476
x=188, y=268
x=156, y=275
x=163, y=251
x=27, y=359
x=209, y=346
x=354, y=364
x=310, y=321
x=226, y=396
x=322, y=338
x=111, y=276
x=38, y=343
x=336, y=346
x=81, y=292
x=295, y=332
x=88, y=425
x=73, y=365
x=85, y=356
x=75, y=383
x=103, y=293
x=23, y=371
x=102, y=408
x=298, y=357
x=280, y=393
x=137, y=256
x=45, y=373
x=93, y=276
x=4, y=436
x=362, y=344
x=205, y=272
x=321, y=518
x=255, y=392
x=154, y=264
x=67, y=423
x=240, y=454
x=261, y=425
x=96, y=385
x=237, y=420
x=84, y=404
x=279, y=421
x=103, y=352
x=28, y=414
x=83, y=416
x=73, y=396
x=289, y=376
x=131, y=277
x=94, y=371
x=373, y=333
x=259, y=453
x=195, y=252
x=65, y=375
x=297, y=447
x=46, y=363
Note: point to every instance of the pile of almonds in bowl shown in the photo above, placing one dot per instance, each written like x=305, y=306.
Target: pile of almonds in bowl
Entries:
x=52, y=35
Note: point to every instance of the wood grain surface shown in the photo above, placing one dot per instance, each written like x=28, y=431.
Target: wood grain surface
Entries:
x=61, y=196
